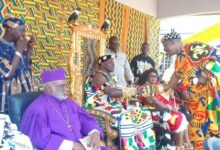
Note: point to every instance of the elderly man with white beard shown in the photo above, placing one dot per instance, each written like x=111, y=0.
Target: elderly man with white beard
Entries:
x=53, y=121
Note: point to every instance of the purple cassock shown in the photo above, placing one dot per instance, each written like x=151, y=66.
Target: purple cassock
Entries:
x=48, y=121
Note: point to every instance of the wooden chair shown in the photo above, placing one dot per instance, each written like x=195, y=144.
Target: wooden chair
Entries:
x=18, y=103
x=105, y=120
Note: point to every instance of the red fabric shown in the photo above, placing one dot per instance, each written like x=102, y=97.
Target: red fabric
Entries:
x=181, y=88
x=163, y=100
x=141, y=99
x=174, y=124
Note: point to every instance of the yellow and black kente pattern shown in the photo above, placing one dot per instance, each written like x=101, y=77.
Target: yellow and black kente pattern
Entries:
x=47, y=21
x=136, y=33
x=115, y=12
x=153, y=29
x=140, y=27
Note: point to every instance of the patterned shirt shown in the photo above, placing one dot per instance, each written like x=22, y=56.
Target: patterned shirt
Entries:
x=141, y=63
x=193, y=60
x=95, y=98
x=21, y=81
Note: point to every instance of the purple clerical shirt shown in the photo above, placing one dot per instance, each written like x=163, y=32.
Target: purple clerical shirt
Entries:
x=43, y=123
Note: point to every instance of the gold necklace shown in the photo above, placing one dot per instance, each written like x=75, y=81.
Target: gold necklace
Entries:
x=67, y=121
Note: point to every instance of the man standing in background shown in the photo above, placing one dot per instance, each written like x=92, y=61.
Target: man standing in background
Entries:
x=122, y=68
x=142, y=62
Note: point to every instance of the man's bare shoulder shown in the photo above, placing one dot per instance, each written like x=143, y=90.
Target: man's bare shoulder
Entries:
x=99, y=79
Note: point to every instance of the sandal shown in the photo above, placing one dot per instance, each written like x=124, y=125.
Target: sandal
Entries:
x=188, y=146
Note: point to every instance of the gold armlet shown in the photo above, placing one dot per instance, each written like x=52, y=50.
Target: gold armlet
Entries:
x=160, y=88
x=128, y=92
x=204, y=74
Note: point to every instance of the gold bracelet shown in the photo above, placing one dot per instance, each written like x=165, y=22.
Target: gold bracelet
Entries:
x=129, y=92
x=145, y=94
x=160, y=88
x=204, y=74
x=19, y=54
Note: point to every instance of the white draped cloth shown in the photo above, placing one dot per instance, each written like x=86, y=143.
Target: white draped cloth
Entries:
x=10, y=137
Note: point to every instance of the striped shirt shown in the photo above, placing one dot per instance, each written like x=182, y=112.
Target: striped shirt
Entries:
x=21, y=81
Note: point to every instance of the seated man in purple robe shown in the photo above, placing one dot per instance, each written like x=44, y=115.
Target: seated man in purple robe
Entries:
x=55, y=122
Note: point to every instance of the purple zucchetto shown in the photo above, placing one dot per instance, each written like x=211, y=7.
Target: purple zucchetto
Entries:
x=53, y=75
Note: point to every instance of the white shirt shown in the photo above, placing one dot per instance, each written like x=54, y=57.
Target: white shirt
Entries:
x=122, y=68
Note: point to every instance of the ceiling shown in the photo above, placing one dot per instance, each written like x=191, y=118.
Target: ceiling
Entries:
x=146, y=6
x=171, y=8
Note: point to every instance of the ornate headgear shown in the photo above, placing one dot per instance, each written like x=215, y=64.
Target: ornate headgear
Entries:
x=53, y=75
x=172, y=35
x=104, y=58
x=12, y=22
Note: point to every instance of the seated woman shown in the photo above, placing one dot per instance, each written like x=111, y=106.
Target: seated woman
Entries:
x=165, y=100
x=103, y=93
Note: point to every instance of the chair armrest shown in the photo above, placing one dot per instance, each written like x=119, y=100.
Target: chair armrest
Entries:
x=111, y=132
x=102, y=114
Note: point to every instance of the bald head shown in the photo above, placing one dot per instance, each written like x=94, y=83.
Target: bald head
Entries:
x=172, y=46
